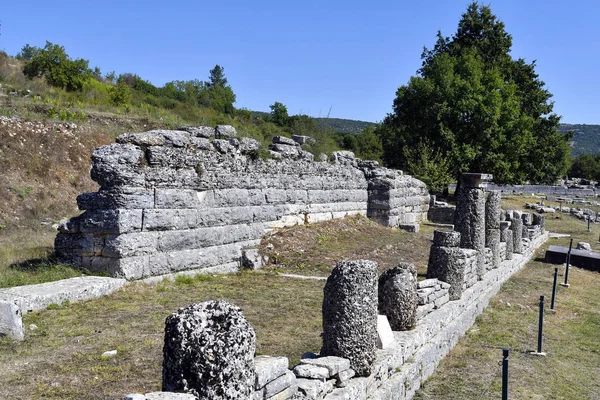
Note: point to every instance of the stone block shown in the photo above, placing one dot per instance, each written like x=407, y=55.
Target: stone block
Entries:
x=199, y=131
x=130, y=245
x=111, y=221
x=117, y=197
x=334, y=365
x=225, y=131
x=311, y=372
x=117, y=165
x=312, y=389
x=385, y=336
x=11, y=322
x=278, y=385
x=176, y=198
x=446, y=238
x=413, y=227
x=170, y=219
x=269, y=368
x=251, y=259
x=284, y=140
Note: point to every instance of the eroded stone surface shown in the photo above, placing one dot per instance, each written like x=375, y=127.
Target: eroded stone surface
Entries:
x=209, y=352
x=398, y=296
x=350, y=314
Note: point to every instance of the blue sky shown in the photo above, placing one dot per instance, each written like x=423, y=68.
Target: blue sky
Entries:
x=349, y=56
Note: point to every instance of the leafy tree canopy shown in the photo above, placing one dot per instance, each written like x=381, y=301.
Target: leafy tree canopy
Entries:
x=473, y=108
x=53, y=63
x=279, y=114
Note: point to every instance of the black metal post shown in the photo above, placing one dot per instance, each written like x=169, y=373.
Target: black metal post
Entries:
x=505, y=373
x=541, y=329
x=589, y=217
x=567, y=265
x=554, y=289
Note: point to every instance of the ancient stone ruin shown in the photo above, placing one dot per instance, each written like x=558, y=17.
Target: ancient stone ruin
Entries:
x=428, y=317
x=209, y=352
x=200, y=198
x=350, y=314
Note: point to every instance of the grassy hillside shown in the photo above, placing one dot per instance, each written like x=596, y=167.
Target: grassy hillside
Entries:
x=586, y=139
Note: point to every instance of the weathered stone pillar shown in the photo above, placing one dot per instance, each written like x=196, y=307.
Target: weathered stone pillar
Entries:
x=527, y=219
x=398, y=296
x=209, y=352
x=350, y=314
x=470, y=215
x=516, y=225
x=493, y=209
x=506, y=236
x=540, y=220
x=446, y=262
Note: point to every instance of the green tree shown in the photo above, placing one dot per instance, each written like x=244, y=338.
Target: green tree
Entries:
x=368, y=145
x=279, y=114
x=55, y=65
x=585, y=166
x=27, y=53
x=428, y=165
x=217, y=77
x=218, y=95
x=120, y=94
x=476, y=107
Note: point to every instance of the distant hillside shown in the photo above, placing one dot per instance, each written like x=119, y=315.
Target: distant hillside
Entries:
x=343, y=125
x=586, y=139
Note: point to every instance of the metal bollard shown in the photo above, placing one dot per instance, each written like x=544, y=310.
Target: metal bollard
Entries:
x=541, y=328
x=566, y=283
x=589, y=222
x=554, y=290
x=505, y=373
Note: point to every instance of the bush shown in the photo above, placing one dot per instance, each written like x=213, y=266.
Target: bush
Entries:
x=53, y=63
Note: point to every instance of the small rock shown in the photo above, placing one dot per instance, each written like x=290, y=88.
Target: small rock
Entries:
x=33, y=327
x=584, y=246
x=110, y=353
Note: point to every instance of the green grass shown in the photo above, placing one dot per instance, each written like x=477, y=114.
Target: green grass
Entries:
x=571, y=340
x=62, y=358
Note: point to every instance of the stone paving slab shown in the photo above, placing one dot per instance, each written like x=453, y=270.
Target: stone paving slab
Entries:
x=37, y=297
x=22, y=299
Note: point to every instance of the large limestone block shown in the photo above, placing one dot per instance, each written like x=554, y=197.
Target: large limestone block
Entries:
x=11, y=322
x=117, y=165
x=209, y=352
x=398, y=296
x=350, y=314
x=269, y=368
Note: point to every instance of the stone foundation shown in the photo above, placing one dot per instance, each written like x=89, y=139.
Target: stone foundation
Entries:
x=179, y=200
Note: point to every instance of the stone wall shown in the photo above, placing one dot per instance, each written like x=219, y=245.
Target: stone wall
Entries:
x=200, y=198
x=399, y=368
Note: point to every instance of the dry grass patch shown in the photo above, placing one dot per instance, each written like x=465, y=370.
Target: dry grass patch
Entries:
x=315, y=248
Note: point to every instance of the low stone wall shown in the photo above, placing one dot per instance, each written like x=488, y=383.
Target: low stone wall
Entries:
x=398, y=369
x=178, y=200
x=432, y=294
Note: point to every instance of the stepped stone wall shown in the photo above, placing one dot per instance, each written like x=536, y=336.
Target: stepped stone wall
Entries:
x=200, y=198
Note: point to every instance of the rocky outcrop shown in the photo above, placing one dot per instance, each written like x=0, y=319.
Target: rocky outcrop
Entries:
x=198, y=198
